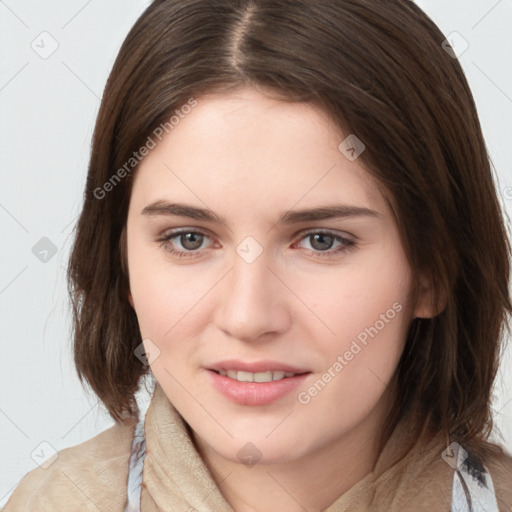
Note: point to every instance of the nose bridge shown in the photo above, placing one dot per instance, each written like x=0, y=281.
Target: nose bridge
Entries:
x=250, y=279
x=249, y=306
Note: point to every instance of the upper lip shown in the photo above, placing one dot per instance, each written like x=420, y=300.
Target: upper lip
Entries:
x=256, y=366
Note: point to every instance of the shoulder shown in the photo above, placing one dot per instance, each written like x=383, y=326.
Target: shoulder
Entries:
x=499, y=467
x=88, y=476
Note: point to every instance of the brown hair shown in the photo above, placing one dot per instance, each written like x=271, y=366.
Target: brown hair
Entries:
x=380, y=72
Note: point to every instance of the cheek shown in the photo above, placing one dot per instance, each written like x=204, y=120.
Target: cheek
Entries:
x=351, y=299
x=366, y=310
x=169, y=301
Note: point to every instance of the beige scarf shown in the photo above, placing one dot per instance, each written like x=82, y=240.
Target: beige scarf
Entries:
x=176, y=478
x=92, y=476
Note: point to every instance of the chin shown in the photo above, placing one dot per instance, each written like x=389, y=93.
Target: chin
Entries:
x=250, y=450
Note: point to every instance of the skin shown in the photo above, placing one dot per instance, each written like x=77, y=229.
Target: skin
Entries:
x=249, y=157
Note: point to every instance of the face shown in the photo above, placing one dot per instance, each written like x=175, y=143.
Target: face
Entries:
x=282, y=261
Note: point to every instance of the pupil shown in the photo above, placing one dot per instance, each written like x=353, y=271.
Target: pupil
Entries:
x=191, y=240
x=320, y=237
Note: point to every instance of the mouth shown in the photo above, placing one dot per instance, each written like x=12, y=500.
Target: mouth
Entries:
x=259, y=383
x=266, y=376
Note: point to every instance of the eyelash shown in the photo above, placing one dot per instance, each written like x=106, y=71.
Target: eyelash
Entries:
x=347, y=244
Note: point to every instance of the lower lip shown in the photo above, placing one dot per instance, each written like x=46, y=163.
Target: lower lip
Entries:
x=255, y=393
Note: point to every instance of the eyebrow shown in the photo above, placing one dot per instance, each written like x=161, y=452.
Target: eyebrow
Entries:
x=166, y=208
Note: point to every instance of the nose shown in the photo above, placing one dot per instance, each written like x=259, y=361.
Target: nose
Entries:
x=253, y=301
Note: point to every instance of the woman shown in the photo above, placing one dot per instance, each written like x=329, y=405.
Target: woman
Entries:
x=290, y=223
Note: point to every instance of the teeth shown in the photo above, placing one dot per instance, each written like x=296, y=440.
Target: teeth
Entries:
x=274, y=375
x=243, y=376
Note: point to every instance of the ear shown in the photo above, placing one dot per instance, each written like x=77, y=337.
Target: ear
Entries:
x=130, y=299
x=427, y=304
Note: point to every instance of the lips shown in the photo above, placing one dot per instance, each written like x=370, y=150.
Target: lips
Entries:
x=249, y=383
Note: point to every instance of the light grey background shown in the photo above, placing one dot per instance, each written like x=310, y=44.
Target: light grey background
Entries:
x=48, y=108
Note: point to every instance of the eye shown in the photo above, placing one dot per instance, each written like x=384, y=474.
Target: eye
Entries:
x=323, y=241
x=190, y=241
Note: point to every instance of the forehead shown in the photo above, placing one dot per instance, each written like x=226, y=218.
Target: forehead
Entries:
x=246, y=148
